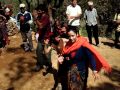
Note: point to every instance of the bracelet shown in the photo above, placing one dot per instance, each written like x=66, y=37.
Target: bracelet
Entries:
x=95, y=71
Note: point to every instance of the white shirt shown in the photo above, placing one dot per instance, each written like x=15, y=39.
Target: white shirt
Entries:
x=74, y=11
x=91, y=17
x=117, y=17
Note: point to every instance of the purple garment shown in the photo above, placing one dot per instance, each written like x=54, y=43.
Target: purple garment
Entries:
x=3, y=31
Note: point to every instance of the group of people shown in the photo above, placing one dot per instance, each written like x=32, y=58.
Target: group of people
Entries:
x=63, y=50
x=91, y=18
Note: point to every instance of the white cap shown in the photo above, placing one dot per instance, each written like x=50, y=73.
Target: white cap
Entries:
x=7, y=10
x=22, y=5
x=90, y=3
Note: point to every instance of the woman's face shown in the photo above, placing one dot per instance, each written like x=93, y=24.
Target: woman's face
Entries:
x=72, y=36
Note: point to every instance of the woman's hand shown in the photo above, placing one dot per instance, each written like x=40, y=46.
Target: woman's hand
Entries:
x=95, y=75
x=60, y=59
x=36, y=37
x=70, y=17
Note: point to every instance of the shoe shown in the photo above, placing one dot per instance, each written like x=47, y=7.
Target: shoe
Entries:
x=97, y=45
x=90, y=42
x=32, y=49
x=116, y=46
x=37, y=68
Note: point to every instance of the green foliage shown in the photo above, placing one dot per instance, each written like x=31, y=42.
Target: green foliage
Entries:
x=102, y=6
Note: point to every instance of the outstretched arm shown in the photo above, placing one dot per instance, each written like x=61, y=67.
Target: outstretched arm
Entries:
x=92, y=63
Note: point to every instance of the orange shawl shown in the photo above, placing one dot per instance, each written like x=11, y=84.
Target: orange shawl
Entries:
x=81, y=41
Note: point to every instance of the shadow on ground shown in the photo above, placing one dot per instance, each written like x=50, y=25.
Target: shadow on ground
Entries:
x=20, y=71
x=114, y=75
x=16, y=50
x=111, y=44
x=105, y=86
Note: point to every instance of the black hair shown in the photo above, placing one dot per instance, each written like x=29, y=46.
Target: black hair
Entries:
x=64, y=35
x=42, y=7
x=52, y=39
x=63, y=24
x=74, y=30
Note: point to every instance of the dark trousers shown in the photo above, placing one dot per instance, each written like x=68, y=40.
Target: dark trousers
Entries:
x=117, y=35
x=40, y=55
x=92, y=30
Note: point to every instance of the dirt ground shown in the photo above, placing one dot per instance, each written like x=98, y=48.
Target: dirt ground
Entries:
x=16, y=69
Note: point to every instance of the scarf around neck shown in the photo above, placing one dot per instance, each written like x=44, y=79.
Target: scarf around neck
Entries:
x=81, y=41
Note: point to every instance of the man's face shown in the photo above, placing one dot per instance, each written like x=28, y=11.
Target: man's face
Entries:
x=90, y=7
x=22, y=9
x=63, y=30
x=74, y=3
x=39, y=12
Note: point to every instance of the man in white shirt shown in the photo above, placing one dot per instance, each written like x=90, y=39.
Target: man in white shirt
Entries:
x=91, y=16
x=73, y=13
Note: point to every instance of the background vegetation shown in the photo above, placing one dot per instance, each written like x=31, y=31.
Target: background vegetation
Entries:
x=106, y=8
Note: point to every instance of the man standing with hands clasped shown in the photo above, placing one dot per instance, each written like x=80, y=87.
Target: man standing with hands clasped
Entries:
x=73, y=13
x=24, y=18
x=91, y=16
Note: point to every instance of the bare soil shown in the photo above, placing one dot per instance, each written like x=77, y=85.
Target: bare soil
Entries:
x=16, y=69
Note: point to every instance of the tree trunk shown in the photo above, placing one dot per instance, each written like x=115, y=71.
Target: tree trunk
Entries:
x=28, y=5
x=20, y=1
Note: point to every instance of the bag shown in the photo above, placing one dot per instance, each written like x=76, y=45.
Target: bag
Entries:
x=75, y=81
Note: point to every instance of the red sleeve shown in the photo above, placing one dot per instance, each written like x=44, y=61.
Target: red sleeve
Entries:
x=45, y=21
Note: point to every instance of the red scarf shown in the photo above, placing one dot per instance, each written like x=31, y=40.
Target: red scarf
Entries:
x=81, y=41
